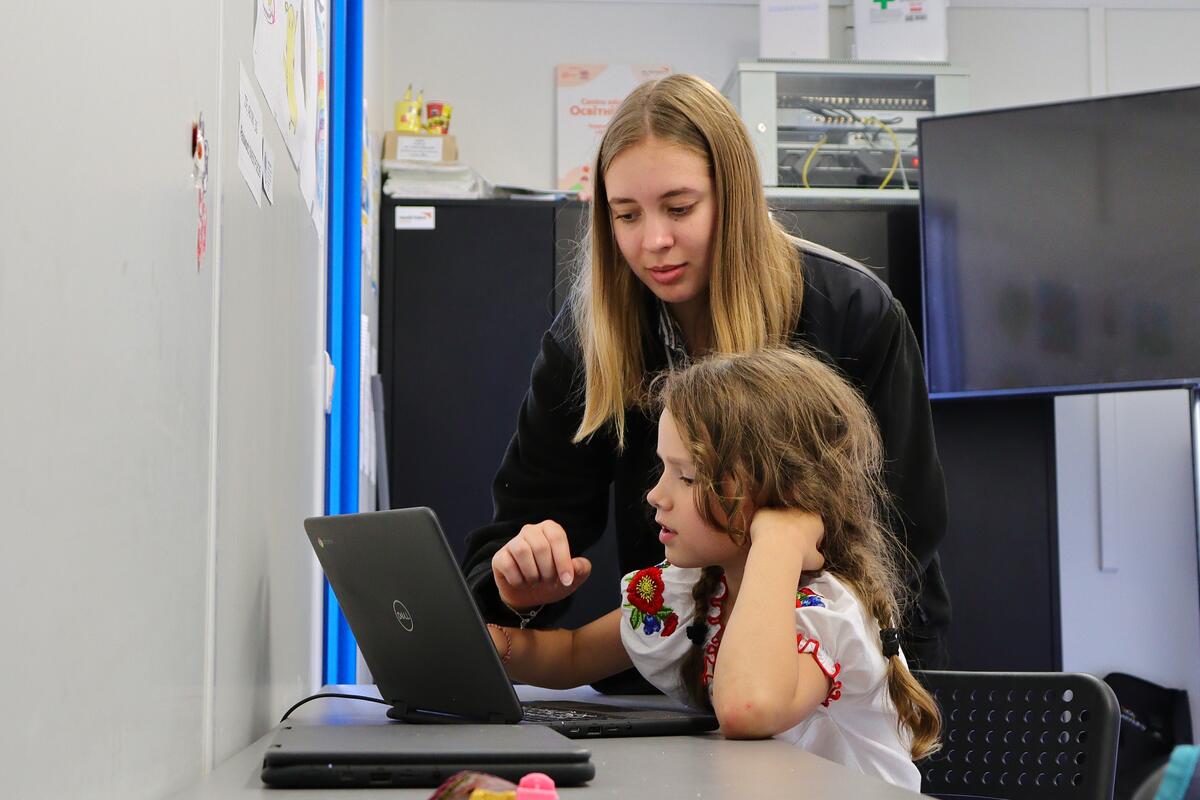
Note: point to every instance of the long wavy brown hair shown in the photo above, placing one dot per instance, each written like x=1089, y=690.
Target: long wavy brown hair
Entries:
x=756, y=284
x=780, y=428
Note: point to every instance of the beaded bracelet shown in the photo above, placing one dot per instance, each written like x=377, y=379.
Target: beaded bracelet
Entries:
x=504, y=659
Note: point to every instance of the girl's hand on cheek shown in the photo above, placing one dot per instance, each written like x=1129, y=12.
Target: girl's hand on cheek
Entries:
x=798, y=532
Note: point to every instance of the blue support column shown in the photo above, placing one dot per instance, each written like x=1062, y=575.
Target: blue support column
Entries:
x=344, y=300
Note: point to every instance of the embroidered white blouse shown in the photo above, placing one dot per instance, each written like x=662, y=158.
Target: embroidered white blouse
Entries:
x=855, y=726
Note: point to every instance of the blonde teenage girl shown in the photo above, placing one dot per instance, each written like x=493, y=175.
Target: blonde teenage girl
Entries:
x=684, y=260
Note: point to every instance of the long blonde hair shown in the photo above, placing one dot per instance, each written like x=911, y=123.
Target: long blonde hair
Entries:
x=782, y=429
x=755, y=287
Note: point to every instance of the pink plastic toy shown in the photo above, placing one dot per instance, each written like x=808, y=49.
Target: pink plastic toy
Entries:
x=536, y=786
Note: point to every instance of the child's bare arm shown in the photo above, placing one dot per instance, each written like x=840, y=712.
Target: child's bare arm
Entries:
x=761, y=685
x=561, y=659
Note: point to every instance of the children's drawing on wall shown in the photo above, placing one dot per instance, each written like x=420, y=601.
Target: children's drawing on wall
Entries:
x=315, y=142
x=279, y=66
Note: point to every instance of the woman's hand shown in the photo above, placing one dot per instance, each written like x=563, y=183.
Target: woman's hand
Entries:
x=799, y=532
x=535, y=568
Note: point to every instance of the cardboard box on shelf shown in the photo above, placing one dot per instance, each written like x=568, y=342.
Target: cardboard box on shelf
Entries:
x=404, y=146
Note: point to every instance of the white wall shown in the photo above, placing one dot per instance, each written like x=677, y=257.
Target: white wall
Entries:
x=1018, y=56
x=161, y=436
x=1149, y=48
x=379, y=119
x=1140, y=615
x=269, y=457
x=494, y=61
x=105, y=353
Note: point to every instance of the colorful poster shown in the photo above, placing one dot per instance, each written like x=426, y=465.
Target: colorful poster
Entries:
x=588, y=95
x=370, y=208
x=278, y=39
x=315, y=142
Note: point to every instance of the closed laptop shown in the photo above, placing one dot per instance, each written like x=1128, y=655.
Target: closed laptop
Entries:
x=328, y=756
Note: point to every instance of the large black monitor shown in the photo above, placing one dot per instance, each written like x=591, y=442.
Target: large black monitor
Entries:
x=1061, y=246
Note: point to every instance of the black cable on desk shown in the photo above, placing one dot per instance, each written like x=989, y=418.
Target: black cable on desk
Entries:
x=287, y=713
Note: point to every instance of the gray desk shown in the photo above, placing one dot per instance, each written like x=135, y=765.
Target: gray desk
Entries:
x=706, y=767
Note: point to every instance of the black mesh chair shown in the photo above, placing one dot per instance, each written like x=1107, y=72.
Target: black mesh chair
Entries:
x=1022, y=736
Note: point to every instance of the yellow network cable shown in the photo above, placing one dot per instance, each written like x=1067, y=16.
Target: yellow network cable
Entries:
x=808, y=161
x=895, y=143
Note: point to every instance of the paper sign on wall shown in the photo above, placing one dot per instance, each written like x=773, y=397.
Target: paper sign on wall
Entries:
x=269, y=173
x=250, y=138
x=588, y=96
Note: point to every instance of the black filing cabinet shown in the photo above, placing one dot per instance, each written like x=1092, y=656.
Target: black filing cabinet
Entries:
x=463, y=307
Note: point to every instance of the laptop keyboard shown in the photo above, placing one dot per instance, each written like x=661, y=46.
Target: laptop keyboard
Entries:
x=535, y=713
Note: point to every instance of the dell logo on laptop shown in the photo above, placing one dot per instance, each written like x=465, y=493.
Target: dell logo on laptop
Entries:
x=402, y=616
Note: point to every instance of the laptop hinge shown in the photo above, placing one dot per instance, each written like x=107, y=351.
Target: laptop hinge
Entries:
x=404, y=712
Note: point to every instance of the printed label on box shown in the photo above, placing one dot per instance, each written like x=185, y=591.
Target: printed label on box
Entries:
x=419, y=148
x=415, y=218
x=900, y=30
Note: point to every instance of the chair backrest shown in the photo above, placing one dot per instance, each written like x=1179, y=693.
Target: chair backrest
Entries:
x=1022, y=736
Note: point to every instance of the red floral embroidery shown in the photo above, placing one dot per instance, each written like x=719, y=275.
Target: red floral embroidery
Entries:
x=645, y=591
x=807, y=597
x=647, y=612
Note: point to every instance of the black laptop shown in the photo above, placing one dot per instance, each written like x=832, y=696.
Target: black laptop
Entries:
x=425, y=642
x=330, y=756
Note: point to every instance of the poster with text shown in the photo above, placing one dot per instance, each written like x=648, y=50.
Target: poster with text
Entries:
x=588, y=95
